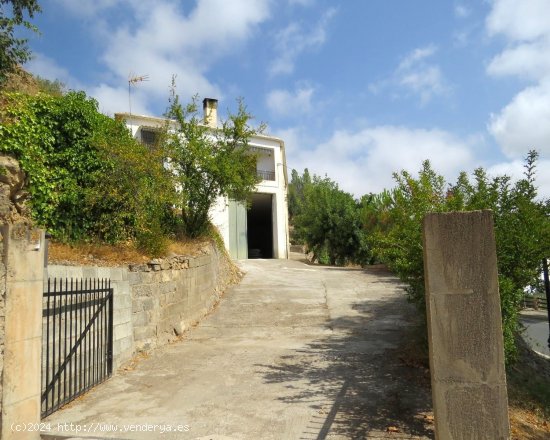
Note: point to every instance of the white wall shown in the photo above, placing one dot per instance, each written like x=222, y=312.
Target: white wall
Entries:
x=219, y=213
x=266, y=162
x=279, y=190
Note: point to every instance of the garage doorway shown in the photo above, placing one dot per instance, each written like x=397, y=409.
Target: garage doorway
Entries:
x=260, y=226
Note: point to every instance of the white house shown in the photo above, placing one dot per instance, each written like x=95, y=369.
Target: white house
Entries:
x=261, y=231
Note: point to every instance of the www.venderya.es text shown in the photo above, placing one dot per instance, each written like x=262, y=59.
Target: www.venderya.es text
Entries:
x=98, y=427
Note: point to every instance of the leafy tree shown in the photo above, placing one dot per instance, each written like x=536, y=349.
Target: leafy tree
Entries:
x=394, y=224
x=328, y=222
x=375, y=212
x=296, y=192
x=88, y=178
x=391, y=225
x=13, y=50
x=522, y=223
x=393, y=221
x=208, y=163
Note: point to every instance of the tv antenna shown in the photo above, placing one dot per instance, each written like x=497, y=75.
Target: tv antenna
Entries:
x=133, y=80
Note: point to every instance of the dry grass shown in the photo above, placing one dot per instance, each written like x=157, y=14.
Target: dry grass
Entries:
x=528, y=425
x=91, y=254
x=529, y=395
x=22, y=82
x=187, y=246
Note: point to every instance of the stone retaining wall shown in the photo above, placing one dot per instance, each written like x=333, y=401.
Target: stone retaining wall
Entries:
x=170, y=295
x=156, y=302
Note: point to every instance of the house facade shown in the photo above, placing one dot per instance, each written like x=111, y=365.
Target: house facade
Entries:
x=259, y=230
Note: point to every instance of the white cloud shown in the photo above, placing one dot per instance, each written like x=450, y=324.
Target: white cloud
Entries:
x=285, y=103
x=295, y=39
x=462, y=11
x=519, y=20
x=160, y=38
x=523, y=123
x=515, y=169
x=416, y=75
x=426, y=82
x=222, y=24
x=416, y=56
x=363, y=160
x=116, y=100
x=48, y=68
x=529, y=60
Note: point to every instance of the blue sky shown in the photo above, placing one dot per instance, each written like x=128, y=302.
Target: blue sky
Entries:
x=357, y=89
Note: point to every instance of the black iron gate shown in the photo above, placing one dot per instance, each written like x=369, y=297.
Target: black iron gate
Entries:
x=77, y=342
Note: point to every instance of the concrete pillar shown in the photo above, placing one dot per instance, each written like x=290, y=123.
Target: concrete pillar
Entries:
x=464, y=327
x=23, y=264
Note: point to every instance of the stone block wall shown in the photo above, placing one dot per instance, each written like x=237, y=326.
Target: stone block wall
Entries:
x=156, y=302
x=170, y=295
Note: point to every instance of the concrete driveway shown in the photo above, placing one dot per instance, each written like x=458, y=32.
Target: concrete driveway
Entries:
x=293, y=352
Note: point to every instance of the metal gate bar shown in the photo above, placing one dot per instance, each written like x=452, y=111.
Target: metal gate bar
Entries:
x=78, y=339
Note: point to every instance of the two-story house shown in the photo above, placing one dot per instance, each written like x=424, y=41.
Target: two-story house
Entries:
x=261, y=231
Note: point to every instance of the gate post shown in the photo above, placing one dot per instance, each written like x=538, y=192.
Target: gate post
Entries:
x=464, y=327
x=21, y=288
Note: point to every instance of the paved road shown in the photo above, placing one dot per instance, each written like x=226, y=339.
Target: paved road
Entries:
x=536, y=330
x=293, y=352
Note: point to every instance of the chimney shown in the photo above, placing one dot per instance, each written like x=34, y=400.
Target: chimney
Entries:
x=210, y=109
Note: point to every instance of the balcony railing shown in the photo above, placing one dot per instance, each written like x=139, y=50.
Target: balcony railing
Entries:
x=266, y=175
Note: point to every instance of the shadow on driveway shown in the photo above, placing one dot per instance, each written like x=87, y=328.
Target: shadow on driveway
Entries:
x=357, y=383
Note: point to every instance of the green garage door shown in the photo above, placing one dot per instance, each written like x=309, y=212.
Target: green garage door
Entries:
x=238, y=243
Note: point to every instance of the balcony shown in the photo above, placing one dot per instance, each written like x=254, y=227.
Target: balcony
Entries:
x=266, y=175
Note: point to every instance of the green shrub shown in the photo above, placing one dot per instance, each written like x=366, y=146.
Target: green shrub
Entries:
x=393, y=221
x=88, y=178
x=327, y=220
